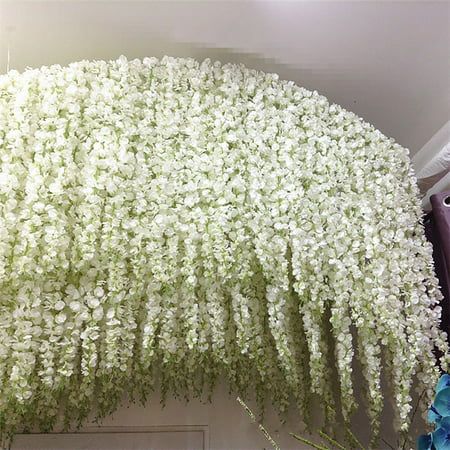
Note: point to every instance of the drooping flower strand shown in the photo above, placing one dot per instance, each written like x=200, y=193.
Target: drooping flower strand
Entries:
x=168, y=223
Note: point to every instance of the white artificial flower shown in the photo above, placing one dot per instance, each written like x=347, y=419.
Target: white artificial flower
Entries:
x=165, y=219
x=59, y=305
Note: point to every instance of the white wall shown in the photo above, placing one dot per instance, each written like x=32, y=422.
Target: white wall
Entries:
x=386, y=61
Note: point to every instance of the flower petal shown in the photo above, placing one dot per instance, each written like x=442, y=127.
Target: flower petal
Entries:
x=441, y=439
x=433, y=415
x=442, y=402
x=445, y=423
x=424, y=442
x=444, y=382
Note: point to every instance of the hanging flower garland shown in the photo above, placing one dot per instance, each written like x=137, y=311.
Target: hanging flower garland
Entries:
x=166, y=222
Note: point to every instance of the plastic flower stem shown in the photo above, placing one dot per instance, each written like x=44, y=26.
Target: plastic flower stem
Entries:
x=350, y=433
x=332, y=441
x=308, y=442
x=387, y=443
x=268, y=437
x=246, y=408
x=260, y=425
x=354, y=438
x=405, y=440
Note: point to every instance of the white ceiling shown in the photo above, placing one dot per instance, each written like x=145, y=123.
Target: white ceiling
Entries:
x=389, y=62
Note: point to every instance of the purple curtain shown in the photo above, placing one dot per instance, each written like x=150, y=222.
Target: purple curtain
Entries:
x=437, y=230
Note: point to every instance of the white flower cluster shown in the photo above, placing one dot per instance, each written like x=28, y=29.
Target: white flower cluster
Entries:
x=166, y=222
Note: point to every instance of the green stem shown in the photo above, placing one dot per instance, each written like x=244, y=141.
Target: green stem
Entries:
x=387, y=443
x=350, y=433
x=354, y=438
x=260, y=425
x=308, y=442
x=331, y=440
x=405, y=440
x=268, y=437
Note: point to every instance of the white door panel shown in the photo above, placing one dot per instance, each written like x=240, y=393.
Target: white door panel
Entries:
x=106, y=438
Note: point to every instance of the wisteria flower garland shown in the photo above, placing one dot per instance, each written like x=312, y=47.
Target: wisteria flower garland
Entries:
x=168, y=222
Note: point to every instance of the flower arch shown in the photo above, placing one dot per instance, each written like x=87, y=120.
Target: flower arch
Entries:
x=169, y=221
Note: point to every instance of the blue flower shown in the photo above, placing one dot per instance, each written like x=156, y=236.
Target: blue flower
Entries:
x=441, y=437
x=425, y=442
x=443, y=382
x=438, y=414
x=442, y=402
x=433, y=415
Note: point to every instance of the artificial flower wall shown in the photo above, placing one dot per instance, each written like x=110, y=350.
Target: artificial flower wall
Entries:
x=168, y=222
